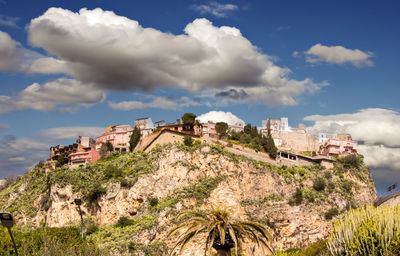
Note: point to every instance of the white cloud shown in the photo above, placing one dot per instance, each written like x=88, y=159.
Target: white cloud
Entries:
x=338, y=55
x=377, y=131
x=70, y=133
x=216, y=9
x=158, y=102
x=14, y=57
x=295, y=54
x=49, y=96
x=9, y=54
x=116, y=53
x=8, y=21
x=220, y=116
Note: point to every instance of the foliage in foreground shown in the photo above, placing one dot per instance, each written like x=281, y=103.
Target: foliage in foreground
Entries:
x=47, y=242
x=367, y=231
x=223, y=233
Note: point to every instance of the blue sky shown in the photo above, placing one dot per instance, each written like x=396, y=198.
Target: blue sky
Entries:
x=66, y=71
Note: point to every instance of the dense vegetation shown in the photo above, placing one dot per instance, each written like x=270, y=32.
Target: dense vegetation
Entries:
x=311, y=185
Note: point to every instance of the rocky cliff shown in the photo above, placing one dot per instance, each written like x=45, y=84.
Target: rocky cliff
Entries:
x=296, y=203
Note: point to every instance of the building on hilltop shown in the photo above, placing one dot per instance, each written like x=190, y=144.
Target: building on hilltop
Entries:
x=145, y=125
x=237, y=127
x=339, y=146
x=81, y=152
x=190, y=129
x=117, y=135
x=209, y=129
x=159, y=123
x=288, y=138
x=275, y=125
x=323, y=137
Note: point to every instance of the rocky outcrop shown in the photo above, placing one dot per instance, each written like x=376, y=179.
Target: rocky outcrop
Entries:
x=208, y=176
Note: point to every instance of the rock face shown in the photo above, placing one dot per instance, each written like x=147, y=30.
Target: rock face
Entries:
x=252, y=190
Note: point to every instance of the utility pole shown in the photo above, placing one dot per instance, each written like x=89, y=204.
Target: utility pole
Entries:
x=7, y=221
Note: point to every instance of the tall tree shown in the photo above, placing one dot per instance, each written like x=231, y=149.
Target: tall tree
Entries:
x=222, y=232
x=135, y=138
x=247, y=129
x=188, y=118
x=221, y=128
x=272, y=150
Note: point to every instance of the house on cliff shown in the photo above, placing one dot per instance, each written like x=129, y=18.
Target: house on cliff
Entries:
x=117, y=135
x=80, y=152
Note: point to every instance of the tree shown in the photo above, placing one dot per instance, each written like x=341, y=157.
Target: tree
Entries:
x=221, y=128
x=247, y=129
x=135, y=138
x=188, y=118
x=272, y=150
x=188, y=140
x=105, y=149
x=222, y=232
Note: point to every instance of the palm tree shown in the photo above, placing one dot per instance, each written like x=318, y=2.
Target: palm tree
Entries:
x=222, y=232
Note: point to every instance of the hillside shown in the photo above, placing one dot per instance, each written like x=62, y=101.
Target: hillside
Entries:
x=296, y=203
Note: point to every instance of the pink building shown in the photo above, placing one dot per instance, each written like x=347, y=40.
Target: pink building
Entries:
x=84, y=155
x=117, y=135
x=339, y=147
x=81, y=152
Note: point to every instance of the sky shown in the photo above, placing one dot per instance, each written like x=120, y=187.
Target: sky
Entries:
x=70, y=69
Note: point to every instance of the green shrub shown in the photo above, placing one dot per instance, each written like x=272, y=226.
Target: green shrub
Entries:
x=366, y=231
x=112, y=171
x=297, y=197
x=319, y=184
x=94, y=191
x=351, y=161
x=124, y=222
x=346, y=185
x=332, y=212
x=328, y=175
x=153, y=201
x=188, y=140
x=91, y=226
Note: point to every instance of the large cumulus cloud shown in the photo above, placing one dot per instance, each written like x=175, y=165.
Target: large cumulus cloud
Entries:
x=116, y=53
x=376, y=129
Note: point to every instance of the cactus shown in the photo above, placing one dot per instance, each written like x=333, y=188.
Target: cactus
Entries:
x=366, y=231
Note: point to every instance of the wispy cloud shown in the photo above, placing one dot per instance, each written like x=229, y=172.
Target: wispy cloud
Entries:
x=216, y=9
x=338, y=55
x=8, y=21
x=18, y=154
x=4, y=126
x=69, y=133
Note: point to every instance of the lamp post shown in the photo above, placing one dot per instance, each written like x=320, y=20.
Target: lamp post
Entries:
x=78, y=202
x=7, y=221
